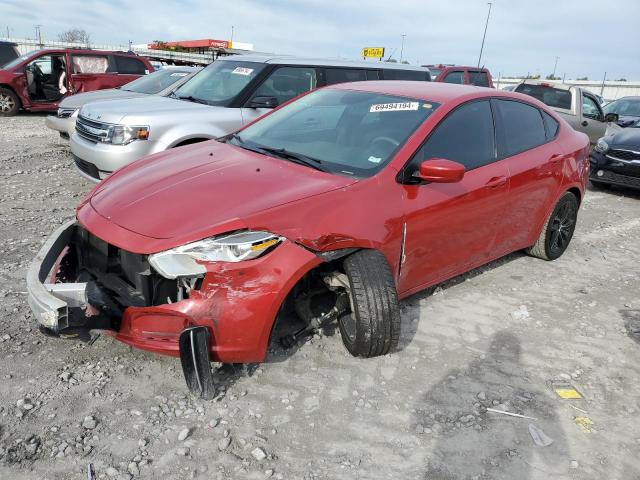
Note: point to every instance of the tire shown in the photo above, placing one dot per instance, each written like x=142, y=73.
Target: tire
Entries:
x=373, y=327
x=9, y=103
x=558, y=229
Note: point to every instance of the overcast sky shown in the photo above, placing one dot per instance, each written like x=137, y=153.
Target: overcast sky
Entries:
x=589, y=36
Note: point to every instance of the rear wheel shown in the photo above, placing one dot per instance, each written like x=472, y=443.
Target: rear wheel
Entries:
x=9, y=103
x=373, y=326
x=558, y=230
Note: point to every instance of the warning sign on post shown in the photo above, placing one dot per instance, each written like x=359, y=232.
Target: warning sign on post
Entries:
x=373, y=52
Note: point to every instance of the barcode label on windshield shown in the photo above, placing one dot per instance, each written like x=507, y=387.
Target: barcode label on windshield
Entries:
x=242, y=71
x=394, y=107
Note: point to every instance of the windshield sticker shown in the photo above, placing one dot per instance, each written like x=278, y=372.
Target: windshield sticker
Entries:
x=394, y=107
x=373, y=159
x=242, y=71
x=179, y=74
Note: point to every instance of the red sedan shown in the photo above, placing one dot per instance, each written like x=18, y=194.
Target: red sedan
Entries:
x=334, y=206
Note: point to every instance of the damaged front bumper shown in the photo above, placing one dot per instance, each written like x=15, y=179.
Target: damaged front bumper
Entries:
x=51, y=302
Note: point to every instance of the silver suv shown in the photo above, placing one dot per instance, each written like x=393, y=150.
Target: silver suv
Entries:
x=215, y=102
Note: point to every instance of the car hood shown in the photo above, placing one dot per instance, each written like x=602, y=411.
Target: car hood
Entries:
x=79, y=100
x=204, y=189
x=148, y=106
x=627, y=137
x=626, y=120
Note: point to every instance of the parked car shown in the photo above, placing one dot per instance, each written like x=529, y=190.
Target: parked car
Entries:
x=577, y=106
x=229, y=93
x=615, y=160
x=509, y=88
x=334, y=206
x=161, y=82
x=38, y=80
x=627, y=109
x=480, y=77
x=8, y=52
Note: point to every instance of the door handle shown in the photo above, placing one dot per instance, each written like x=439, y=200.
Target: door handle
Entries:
x=496, y=182
x=585, y=123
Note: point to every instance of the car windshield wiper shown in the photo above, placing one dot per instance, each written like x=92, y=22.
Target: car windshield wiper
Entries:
x=295, y=157
x=193, y=99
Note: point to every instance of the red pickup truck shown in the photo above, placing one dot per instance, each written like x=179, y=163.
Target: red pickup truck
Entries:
x=37, y=81
x=480, y=77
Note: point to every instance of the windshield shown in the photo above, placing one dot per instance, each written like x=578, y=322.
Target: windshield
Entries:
x=630, y=108
x=343, y=131
x=17, y=61
x=435, y=72
x=220, y=82
x=156, y=82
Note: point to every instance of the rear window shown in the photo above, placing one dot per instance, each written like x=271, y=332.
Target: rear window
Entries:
x=341, y=75
x=479, y=79
x=130, y=66
x=522, y=127
x=554, y=97
x=415, y=75
x=457, y=76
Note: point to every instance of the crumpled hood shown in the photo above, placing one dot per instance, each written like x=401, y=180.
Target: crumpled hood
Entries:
x=204, y=189
x=626, y=120
x=148, y=106
x=80, y=99
x=627, y=137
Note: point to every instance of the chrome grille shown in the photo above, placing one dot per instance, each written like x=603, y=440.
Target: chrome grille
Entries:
x=92, y=130
x=625, y=155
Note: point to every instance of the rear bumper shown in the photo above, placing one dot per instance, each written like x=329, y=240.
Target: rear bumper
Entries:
x=66, y=126
x=51, y=302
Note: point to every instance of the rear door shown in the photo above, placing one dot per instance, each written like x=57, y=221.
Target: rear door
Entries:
x=592, y=121
x=90, y=71
x=451, y=227
x=527, y=143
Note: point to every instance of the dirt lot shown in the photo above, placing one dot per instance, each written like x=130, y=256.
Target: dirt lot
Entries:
x=495, y=338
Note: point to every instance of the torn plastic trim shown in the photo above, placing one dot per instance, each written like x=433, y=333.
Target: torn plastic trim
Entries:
x=332, y=255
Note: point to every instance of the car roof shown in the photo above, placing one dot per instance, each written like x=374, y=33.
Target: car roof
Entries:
x=430, y=91
x=321, y=62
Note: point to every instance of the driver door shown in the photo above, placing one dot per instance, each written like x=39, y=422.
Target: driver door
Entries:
x=283, y=84
x=452, y=227
x=592, y=121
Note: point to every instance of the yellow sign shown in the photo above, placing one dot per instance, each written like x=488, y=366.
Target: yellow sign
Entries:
x=373, y=52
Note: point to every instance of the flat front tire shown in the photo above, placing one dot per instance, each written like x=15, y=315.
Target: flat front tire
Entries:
x=9, y=103
x=558, y=229
x=373, y=326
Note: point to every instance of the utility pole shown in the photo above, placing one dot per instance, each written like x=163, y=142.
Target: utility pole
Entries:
x=602, y=87
x=231, y=36
x=38, y=36
x=402, y=47
x=555, y=66
x=485, y=33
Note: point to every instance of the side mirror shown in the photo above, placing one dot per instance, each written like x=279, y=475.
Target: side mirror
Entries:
x=611, y=117
x=263, y=102
x=440, y=170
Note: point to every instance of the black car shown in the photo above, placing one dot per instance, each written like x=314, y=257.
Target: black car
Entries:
x=8, y=52
x=627, y=108
x=615, y=160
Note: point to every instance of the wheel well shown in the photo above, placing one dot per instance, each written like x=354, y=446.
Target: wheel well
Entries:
x=190, y=141
x=576, y=192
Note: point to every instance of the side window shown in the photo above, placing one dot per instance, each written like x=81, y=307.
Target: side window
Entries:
x=456, y=76
x=551, y=125
x=90, y=63
x=466, y=135
x=397, y=74
x=341, y=75
x=479, y=79
x=590, y=108
x=130, y=66
x=287, y=82
x=373, y=75
x=521, y=127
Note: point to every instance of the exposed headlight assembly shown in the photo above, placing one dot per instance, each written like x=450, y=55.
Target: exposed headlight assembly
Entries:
x=183, y=261
x=124, y=134
x=601, y=146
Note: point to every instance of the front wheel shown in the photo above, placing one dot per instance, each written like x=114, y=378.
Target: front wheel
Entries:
x=9, y=103
x=558, y=230
x=372, y=328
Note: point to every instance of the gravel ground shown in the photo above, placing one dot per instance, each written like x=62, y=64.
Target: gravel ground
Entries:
x=498, y=338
